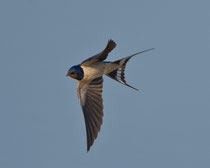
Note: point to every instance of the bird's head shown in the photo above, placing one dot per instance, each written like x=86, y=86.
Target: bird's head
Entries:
x=76, y=72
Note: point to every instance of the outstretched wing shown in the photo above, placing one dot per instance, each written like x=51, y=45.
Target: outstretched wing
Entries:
x=90, y=96
x=102, y=55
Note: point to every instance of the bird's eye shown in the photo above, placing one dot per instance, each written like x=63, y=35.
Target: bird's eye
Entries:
x=72, y=72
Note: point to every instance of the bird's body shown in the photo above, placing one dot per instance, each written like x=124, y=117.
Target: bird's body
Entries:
x=98, y=69
x=94, y=71
x=90, y=84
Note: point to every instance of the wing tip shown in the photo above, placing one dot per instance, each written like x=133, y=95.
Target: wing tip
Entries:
x=88, y=148
x=111, y=45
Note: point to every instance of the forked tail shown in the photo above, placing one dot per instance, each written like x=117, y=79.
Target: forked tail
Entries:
x=119, y=73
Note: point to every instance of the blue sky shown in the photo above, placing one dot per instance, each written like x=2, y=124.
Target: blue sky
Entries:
x=165, y=124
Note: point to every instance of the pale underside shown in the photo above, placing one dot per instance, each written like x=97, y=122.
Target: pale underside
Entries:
x=98, y=69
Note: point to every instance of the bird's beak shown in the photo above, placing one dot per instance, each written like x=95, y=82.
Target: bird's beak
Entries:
x=71, y=75
x=68, y=74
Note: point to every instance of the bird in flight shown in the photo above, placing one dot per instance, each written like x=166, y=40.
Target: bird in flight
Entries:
x=90, y=85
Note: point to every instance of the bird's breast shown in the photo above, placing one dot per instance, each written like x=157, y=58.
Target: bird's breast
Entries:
x=94, y=71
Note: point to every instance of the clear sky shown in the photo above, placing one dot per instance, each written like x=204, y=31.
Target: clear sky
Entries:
x=164, y=125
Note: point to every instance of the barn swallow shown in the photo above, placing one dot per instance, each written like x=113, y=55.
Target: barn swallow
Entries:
x=90, y=85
